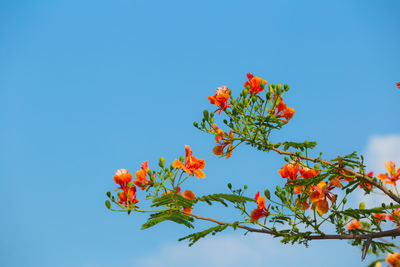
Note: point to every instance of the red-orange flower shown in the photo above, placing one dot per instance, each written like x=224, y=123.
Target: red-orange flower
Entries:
x=398, y=85
x=395, y=216
x=393, y=259
x=223, y=140
x=369, y=186
x=261, y=210
x=302, y=205
x=320, y=195
x=255, y=84
x=189, y=195
x=354, y=224
x=128, y=196
x=289, y=170
x=220, y=98
x=122, y=177
x=282, y=111
x=141, y=176
x=392, y=177
x=379, y=217
x=192, y=164
x=308, y=173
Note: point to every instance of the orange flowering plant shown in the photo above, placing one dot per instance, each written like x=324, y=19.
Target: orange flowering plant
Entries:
x=311, y=199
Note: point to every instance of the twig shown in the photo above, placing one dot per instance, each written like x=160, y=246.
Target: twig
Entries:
x=389, y=233
x=350, y=171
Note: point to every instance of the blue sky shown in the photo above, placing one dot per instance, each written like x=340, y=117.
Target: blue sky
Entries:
x=88, y=87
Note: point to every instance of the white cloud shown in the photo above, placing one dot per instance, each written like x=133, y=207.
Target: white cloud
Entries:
x=378, y=150
x=252, y=250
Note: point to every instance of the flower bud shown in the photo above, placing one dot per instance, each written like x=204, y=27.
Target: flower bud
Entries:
x=246, y=101
x=286, y=87
x=212, y=120
x=149, y=172
x=233, y=102
x=181, y=158
x=230, y=186
x=205, y=114
x=161, y=163
x=254, y=98
x=245, y=91
x=278, y=188
x=362, y=206
x=195, y=124
x=267, y=194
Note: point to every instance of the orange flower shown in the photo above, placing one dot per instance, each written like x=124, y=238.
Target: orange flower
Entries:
x=192, y=164
x=392, y=177
x=261, y=210
x=379, y=217
x=395, y=216
x=308, y=173
x=320, y=195
x=354, y=224
x=369, y=186
x=303, y=205
x=398, y=85
x=189, y=195
x=220, y=98
x=255, y=84
x=289, y=170
x=282, y=111
x=141, y=176
x=122, y=177
x=223, y=140
x=128, y=196
x=393, y=259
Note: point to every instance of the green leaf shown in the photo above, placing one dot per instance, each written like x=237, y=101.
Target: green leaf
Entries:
x=193, y=238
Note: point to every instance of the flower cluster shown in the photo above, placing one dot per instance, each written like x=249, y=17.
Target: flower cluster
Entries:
x=223, y=140
x=393, y=259
x=393, y=176
x=261, y=210
x=192, y=165
x=254, y=84
x=282, y=111
x=220, y=98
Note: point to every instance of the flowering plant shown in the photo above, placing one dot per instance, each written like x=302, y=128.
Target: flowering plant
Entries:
x=313, y=196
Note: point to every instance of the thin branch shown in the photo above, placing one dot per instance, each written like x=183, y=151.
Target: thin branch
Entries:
x=389, y=233
x=356, y=174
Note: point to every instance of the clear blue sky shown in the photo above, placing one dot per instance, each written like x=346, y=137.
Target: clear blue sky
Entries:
x=88, y=87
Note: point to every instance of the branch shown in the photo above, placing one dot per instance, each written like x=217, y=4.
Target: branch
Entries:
x=356, y=174
x=389, y=233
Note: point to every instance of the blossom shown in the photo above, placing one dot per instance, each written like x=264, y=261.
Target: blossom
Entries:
x=392, y=177
x=367, y=185
x=189, y=195
x=223, y=140
x=354, y=224
x=395, y=216
x=289, y=170
x=393, y=259
x=220, y=98
x=308, y=173
x=128, y=196
x=281, y=110
x=301, y=204
x=255, y=84
x=141, y=176
x=379, y=217
x=192, y=164
x=320, y=195
x=398, y=85
x=261, y=210
x=122, y=177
